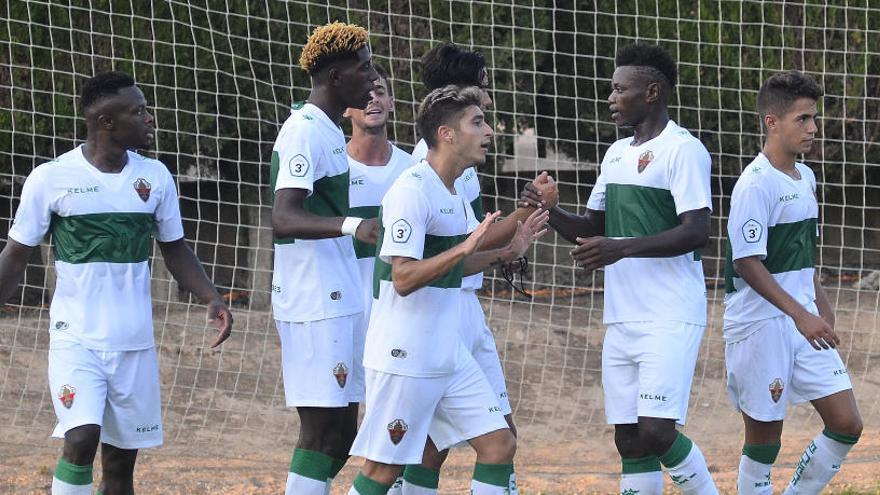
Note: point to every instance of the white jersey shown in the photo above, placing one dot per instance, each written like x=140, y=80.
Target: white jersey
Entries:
x=417, y=335
x=643, y=189
x=468, y=185
x=102, y=227
x=775, y=217
x=314, y=279
x=368, y=185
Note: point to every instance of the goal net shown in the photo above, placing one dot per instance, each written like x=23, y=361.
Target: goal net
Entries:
x=220, y=77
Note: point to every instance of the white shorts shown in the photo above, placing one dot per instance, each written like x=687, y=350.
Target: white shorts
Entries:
x=119, y=391
x=322, y=361
x=480, y=341
x=775, y=366
x=647, y=369
x=403, y=410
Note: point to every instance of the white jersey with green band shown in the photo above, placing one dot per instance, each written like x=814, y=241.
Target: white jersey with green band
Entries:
x=418, y=335
x=102, y=228
x=643, y=189
x=775, y=217
x=314, y=279
x=368, y=185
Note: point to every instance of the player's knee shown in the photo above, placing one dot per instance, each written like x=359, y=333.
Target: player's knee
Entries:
x=851, y=426
x=81, y=444
x=502, y=449
x=657, y=436
x=628, y=443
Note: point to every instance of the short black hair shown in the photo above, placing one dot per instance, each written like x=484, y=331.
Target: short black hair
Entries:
x=442, y=106
x=447, y=64
x=781, y=90
x=649, y=56
x=103, y=85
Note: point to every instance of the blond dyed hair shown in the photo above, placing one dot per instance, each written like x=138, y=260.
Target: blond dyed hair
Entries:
x=331, y=42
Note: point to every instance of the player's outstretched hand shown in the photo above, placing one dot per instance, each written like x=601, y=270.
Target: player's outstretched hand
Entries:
x=593, y=253
x=473, y=241
x=221, y=318
x=528, y=232
x=817, y=331
x=540, y=193
x=368, y=231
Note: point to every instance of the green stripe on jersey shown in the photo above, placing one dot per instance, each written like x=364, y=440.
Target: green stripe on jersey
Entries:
x=362, y=249
x=790, y=247
x=103, y=237
x=434, y=245
x=477, y=206
x=638, y=211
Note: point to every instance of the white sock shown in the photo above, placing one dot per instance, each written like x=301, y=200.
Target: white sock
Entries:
x=397, y=487
x=411, y=489
x=303, y=485
x=691, y=474
x=63, y=488
x=650, y=483
x=494, y=479
x=819, y=463
x=753, y=477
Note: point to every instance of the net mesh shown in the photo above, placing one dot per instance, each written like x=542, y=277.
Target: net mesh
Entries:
x=220, y=77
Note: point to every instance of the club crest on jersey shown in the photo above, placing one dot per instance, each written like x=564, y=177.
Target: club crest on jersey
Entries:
x=645, y=160
x=396, y=430
x=66, y=395
x=776, y=388
x=341, y=374
x=143, y=188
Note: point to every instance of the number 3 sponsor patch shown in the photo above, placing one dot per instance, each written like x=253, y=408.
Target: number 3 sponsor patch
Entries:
x=400, y=231
x=752, y=231
x=299, y=166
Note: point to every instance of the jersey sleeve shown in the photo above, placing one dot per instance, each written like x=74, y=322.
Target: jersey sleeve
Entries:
x=597, y=195
x=169, y=226
x=404, y=218
x=748, y=221
x=34, y=214
x=689, y=178
x=299, y=154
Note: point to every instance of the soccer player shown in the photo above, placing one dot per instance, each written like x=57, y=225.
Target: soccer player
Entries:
x=103, y=203
x=419, y=373
x=778, y=323
x=645, y=220
x=316, y=292
x=375, y=162
x=443, y=65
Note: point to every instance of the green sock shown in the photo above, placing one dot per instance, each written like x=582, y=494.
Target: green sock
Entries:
x=338, y=464
x=415, y=474
x=367, y=486
x=311, y=464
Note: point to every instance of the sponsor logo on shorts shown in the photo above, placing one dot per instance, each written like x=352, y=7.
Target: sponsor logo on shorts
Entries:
x=336, y=295
x=776, y=388
x=447, y=211
x=658, y=398
x=841, y=371
x=396, y=430
x=503, y=394
x=66, y=395
x=142, y=188
x=146, y=428
x=61, y=325
x=398, y=353
x=494, y=409
x=276, y=289
x=645, y=160
x=83, y=190
x=341, y=374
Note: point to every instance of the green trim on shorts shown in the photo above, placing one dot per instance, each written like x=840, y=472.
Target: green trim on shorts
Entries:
x=840, y=437
x=311, y=464
x=647, y=464
x=765, y=454
x=367, y=486
x=73, y=474
x=676, y=454
x=424, y=477
x=493, y=474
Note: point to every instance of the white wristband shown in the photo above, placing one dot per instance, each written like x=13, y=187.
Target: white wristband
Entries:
x=350, y=225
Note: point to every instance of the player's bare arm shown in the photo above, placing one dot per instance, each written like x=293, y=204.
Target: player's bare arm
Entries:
x=543, y=193
x=815, y=329
x=186, y=269
x=826, y=311
x=410, y=275
x=290, y=219
x=13, y=262
x=691, y=234
x=525, y=235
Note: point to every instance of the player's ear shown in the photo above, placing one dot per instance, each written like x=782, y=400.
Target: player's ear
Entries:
x=652, y=92
x=445, y=133
x=770, y=121
x=347, y=113
x=105, y=121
